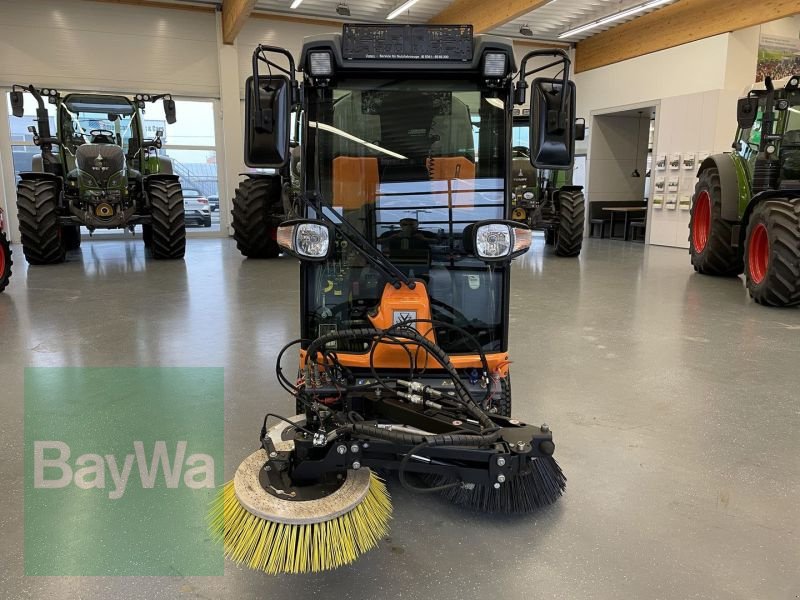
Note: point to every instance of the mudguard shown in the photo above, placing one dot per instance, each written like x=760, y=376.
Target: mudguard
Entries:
x=734, y=182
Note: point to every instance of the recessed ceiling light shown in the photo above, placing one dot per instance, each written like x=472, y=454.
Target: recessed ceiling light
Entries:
x=401, y=9
x=615, y=17
x=343, y=10
x=526, y=30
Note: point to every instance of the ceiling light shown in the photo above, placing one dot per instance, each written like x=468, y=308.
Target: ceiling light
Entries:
x=615, y=17
x=343, y=10
x=401, y=9
x=296, y=3
x=526, y=30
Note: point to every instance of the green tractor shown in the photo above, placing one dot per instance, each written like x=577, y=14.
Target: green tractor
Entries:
x=5, y=255
x=104, y=174
x=546, y=199
x=746, y=205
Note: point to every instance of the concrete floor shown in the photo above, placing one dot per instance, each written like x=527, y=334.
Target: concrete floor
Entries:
x=674, y=399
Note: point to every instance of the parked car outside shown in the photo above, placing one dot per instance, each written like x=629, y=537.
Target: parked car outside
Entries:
x=196, y=207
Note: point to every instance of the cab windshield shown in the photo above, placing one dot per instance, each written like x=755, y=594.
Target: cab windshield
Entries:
x=409, y=164
x=84, y=113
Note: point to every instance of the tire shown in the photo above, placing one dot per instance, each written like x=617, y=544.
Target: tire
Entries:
x=207, y=223
x=571, y=211
x=5, y=261
x=168, y=228
x=37, y=205
x=71, y=234
x=549, y=236
x=709, y=234
x=254, y=206
x=772, y=252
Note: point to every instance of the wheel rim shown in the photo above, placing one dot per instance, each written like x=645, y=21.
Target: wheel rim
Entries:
x=701, y=226
x=758, y=253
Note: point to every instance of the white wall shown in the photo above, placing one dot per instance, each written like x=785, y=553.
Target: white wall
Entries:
x=613, y=157
x=74, y=44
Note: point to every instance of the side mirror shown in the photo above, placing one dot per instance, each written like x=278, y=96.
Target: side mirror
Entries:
x=306, y=239
x=552, y=124
x=267, y=123
x=746, y=111
x=580, y=130
x=17, y=104
x=169, y=110
x=496, y=241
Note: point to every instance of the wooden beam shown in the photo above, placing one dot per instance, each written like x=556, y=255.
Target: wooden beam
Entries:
x=234, y=16
x=680, y=23
x=485, y=15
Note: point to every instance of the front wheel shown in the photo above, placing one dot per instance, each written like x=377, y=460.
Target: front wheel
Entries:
x=5, y=261
x=167, y=228
x=710, y=244
x=569, y=236
x=255, y=205
x=37, y=205
x=773, y=253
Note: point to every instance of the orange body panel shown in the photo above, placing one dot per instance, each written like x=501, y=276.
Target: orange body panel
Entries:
x=415, y=303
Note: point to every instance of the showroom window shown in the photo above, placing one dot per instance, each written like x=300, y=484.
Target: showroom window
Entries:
x=190, y=142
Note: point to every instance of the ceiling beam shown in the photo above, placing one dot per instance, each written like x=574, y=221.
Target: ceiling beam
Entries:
x=485, y=15
x=234, y=16
x=679, y=23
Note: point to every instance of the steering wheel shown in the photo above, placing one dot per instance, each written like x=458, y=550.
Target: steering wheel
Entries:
x=102, y=133
x=458, y=319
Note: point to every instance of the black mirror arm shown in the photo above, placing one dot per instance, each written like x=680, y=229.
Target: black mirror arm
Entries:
x=260, y=55
x=562, y=59
x=359, y=242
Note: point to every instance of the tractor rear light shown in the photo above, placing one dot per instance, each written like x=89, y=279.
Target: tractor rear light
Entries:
x=494, y=64
x=307, y=240
x=202, y=200
x=320, y=64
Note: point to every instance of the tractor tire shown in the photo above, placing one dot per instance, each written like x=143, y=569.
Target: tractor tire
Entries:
x=709, y=234
x=549, y=236
x=569, y=236
x=255, y=202
x=5, y=261
x=168, y=228
x=772, y=250
x=147, y=235
x=37, y=206
x=71, y=234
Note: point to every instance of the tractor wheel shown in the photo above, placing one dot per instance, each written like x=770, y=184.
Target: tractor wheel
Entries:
x=71, y=234
x=37, y=203
x=549, y=236
x=569, y=237
x=773, y=253
x=5, y=261
x=168, y=229
x=255, y=202
x=709, y=234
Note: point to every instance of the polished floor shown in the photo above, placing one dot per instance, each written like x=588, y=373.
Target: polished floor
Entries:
x=674, y=399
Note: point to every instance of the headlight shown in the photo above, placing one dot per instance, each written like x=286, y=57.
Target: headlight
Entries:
x=497, y=240
x=494, y=241
x=320, y=64
x=308, y=240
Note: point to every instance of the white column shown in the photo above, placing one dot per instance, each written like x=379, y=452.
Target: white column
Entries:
x=230, y=140
x=7, y=186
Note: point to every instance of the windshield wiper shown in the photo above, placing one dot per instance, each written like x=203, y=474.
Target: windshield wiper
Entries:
x=359, y=242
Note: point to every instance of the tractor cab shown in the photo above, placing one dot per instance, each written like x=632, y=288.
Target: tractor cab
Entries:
x=406, y=158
